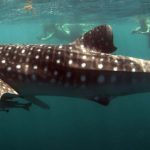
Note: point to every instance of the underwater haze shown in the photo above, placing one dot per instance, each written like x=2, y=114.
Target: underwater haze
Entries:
x=70, y=123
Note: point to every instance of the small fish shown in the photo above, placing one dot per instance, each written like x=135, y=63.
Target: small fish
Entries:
x=84, y=69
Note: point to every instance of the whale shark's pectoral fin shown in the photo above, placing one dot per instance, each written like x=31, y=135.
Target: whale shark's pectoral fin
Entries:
x=36, y=101
x=6, y=91
x=102, y=100
x=98, y=39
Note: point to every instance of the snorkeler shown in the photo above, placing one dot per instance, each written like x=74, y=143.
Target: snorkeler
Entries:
x=28, y=6
x=144, y=28
x=66, y=32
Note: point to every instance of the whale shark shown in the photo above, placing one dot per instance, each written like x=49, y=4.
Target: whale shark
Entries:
x=85, y=69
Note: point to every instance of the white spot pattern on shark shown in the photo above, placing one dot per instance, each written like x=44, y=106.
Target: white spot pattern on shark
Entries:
x=84, y=68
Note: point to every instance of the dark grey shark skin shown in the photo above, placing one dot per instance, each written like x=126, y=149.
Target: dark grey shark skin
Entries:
x=82, y=69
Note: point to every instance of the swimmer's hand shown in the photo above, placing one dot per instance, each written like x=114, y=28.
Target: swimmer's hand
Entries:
x=47, y=37
x=140, y=32
x=41, y=38
x=135, y=32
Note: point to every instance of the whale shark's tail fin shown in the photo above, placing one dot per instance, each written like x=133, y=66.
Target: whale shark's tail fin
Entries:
x=99, y=39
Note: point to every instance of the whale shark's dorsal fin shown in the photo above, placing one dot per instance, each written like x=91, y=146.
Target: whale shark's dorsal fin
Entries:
x=99, y=39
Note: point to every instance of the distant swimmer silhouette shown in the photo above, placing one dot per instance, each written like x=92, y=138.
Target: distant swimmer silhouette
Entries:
x=28, y=6
x=144, y=28
x=63, y=32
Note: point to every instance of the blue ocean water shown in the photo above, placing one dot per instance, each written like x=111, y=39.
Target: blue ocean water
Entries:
x=72, y=123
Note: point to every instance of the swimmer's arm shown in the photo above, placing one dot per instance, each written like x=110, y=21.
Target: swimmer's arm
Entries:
x=136, y=30
x=47, y=37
